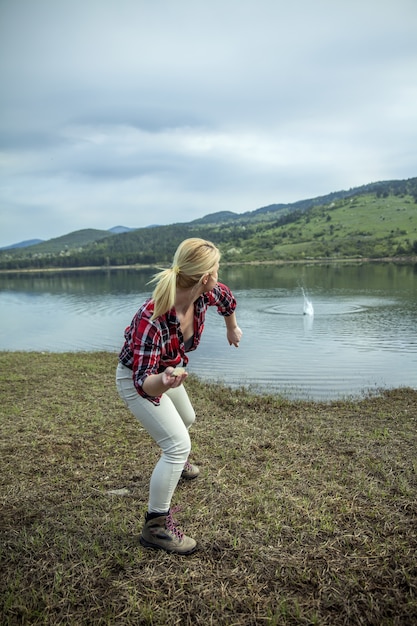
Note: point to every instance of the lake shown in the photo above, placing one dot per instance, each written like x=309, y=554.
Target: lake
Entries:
x=320, y=332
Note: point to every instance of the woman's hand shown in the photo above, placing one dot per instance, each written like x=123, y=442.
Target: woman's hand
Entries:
x=174, y=377
x=234, y=336
x=157, y=384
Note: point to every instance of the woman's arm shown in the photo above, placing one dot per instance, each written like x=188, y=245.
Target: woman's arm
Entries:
x=234, y=334
x=222, y=297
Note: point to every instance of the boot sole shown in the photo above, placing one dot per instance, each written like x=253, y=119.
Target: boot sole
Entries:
x=155, y=546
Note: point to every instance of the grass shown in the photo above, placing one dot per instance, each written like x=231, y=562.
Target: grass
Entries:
x=305, y=513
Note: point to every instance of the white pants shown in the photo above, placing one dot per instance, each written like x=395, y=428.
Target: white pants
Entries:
x=168, y=425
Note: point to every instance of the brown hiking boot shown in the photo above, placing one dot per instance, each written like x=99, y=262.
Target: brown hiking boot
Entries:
x=190, y=471
x=161, y=533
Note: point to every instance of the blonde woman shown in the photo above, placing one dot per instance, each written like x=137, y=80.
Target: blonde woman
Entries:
x=152, y=370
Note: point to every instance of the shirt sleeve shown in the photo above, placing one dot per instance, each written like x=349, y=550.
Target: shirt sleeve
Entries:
x=146, y=349
x=222, y=298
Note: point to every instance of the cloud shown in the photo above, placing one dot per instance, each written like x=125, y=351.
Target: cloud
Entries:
x=139, y=112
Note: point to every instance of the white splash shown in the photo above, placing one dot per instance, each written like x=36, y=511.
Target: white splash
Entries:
x=308, y=308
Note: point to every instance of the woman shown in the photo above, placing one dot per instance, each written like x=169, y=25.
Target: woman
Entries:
x=148, y=378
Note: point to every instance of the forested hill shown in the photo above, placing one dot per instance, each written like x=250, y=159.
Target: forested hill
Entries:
x=376, y=220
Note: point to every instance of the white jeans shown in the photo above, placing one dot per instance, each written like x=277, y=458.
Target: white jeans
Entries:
x=168, y=425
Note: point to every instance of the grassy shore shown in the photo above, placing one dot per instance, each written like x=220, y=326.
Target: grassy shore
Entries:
x=305, y=512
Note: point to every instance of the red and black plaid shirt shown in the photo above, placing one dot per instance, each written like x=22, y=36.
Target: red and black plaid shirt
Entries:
x=153, y=345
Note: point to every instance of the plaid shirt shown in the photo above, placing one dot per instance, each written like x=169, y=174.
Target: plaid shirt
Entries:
x=153, y=345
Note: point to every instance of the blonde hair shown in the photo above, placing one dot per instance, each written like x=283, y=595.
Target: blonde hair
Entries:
x=193, y=259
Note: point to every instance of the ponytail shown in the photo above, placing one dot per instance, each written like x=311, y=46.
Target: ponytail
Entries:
x=164, y=292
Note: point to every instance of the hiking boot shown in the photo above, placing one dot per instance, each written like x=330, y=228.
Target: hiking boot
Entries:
x=190, y=471
x=161, y=533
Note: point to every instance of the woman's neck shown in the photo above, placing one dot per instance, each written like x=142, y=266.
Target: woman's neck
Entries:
x=185, y=298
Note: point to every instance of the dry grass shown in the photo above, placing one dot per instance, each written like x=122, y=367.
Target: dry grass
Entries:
x=305, y=513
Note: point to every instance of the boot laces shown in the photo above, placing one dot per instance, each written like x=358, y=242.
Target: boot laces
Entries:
x=187, y=466
x=171, y=524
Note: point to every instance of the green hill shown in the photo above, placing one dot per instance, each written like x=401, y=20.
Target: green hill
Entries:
x=72, y=241
x=362, y=226
x=376, y=220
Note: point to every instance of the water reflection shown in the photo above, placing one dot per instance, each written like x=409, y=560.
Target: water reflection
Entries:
x=100, y=282
x=361, y=336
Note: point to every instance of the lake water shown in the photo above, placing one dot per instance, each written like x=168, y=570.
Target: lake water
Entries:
x=361, y=337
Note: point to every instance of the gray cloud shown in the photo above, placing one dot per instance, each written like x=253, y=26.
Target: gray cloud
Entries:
x=134, y=112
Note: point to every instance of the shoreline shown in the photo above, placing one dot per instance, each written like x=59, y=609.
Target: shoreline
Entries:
x=257, y=394
x=138, y=266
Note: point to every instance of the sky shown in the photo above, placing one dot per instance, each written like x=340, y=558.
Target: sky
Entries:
x=140, y=112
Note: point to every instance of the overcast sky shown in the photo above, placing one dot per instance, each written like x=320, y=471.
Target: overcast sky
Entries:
x=141, y=112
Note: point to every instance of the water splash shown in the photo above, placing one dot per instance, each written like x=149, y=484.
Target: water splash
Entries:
x=308, y=308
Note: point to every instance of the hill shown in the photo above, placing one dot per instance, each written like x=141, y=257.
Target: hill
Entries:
x=73, y=240
x=376, y=220
x=117, y=230
x=23, y=244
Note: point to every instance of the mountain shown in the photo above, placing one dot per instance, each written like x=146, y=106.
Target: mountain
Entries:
x=60, y=245
x=381, y=188
x=23, y=244
x=215, y=218
x=117, y=230
x=373, y=221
